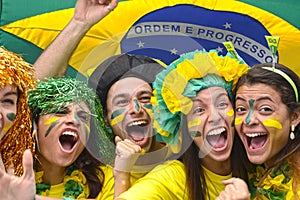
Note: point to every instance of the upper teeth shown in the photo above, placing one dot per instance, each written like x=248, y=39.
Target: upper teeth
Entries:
x=137, y=123
x=70, y=133
x=254, y=134
x=216, y=131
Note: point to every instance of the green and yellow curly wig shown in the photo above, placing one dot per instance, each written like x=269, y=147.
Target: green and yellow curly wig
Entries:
x=55, y=94
x=182, y=79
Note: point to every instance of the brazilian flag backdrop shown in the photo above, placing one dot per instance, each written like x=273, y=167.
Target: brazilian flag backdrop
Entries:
x=162, y=29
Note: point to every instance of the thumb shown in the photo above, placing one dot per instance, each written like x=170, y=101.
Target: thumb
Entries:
x=28, y=164
x=228, y=181
x=118, y=139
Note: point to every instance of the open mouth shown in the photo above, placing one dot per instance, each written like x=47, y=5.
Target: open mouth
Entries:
x=68, y=140
x=138, y=131
x=217, y=138
x=256, y=140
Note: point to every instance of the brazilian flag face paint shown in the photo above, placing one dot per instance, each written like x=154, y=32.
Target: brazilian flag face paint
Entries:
x=53, y=121
x=195, y=133
x=148, y=106
x=249, y=116
x=117, y=116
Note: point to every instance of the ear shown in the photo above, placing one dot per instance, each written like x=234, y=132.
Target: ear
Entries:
x=296, y=118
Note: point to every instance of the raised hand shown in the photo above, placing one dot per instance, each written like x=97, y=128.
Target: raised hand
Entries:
x=235, y=189
x=15, y=187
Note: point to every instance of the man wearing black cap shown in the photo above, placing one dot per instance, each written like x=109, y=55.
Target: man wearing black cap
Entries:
x=123, y=84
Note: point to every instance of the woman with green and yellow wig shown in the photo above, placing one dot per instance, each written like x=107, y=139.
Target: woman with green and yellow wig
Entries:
x=194, y=115
x=72, y=143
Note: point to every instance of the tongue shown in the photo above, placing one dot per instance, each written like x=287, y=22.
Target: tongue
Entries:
x=217, y=141
x=66, y=145
x=257, y=142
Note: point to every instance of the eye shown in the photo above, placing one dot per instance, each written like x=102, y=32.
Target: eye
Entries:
x=9, y=102
x=198, y=110
x=222, y=105
x=122, y=102
x=83, y=116
x=145, y=98
x=240, y=110
x=266, y=110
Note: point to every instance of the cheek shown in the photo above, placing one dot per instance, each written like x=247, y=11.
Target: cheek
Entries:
x=117, y=116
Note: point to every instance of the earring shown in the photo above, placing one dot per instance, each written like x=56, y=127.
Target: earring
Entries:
x=292, y=135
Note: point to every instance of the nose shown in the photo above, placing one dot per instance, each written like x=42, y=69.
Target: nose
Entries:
x=135, y=107
x=72, y=118
x=214, y=115
x=251, y=118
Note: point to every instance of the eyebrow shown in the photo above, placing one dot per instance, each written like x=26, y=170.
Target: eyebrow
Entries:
x=194, y=99
x=10, y=93
x=119, y=96
x=258, y=99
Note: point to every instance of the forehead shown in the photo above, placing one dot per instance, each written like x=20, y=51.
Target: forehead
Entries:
x=8, y=88
x=129, y=85
x=257, y=91
x=211, y=92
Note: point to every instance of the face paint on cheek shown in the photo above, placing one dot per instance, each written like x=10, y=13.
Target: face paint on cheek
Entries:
x=249, y=116
x=52, y=121
x=148, y=105
x=150, y=113
x=230, y=113
x=11, y=116
x=7, y=127
x=136, y=105
x=195, y=133
x=194, y=123
x=87, y=131
x=272, y=123
x=238, y=121
x=117, y=116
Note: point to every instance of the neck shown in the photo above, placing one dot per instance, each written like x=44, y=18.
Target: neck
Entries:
x=53, y=174
x=222, y=168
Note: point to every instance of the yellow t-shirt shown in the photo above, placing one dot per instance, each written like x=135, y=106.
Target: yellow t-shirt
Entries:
x=165, y=181
x=168, y=181
x=106, y=193
x=214, y=183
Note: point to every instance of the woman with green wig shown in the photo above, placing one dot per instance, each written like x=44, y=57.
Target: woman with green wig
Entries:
x=194, y=114
x=72, y=144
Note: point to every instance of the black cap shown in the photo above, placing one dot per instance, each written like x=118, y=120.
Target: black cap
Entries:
x=121, y=66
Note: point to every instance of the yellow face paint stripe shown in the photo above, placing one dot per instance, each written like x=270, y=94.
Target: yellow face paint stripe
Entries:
x=7, y=127
x=117, y=119
x=230, y=113
x=51, y=120
x=238, y=121
x=193, y=123
x=150, y=113
x=272, y=123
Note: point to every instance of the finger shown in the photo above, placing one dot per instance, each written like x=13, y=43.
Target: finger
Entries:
x=28, y=164
x=228, y=181
x=1, y=164
x=10, y=170
x=118, y=139
x=128, y=146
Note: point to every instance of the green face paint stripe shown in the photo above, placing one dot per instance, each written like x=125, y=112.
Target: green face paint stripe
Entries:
x=116, y=113
x=249, y=116
x=76, y=117
x=195, y=133
x=11, y=116
x=148, y=106
x=51, y=127
x=136, y=105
